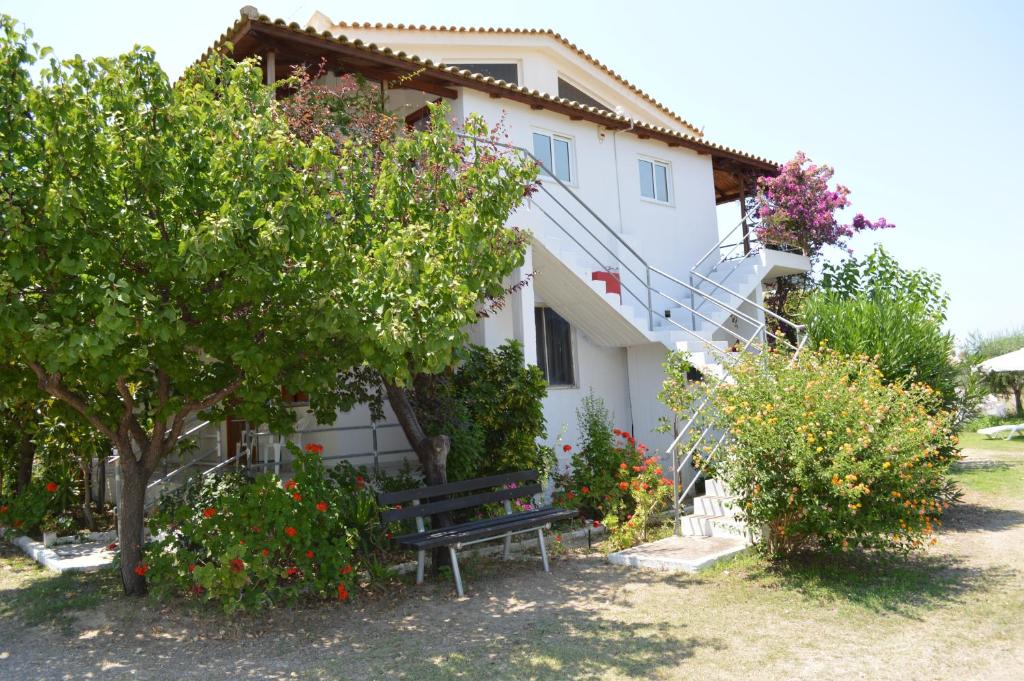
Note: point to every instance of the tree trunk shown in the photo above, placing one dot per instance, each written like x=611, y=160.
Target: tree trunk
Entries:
x=131, y=522
x=432, y=453
x=26, y=458
x=90, y=522
x=1017, y=402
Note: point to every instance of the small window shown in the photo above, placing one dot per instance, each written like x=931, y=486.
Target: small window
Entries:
x=555, y=155
x=567, y=90
x=554, y=347
x=506, y=72
x=654, y=180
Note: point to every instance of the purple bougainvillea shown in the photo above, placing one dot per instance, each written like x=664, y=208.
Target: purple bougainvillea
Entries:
x=797, y=208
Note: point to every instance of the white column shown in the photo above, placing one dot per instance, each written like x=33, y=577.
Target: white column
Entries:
x=523, y=321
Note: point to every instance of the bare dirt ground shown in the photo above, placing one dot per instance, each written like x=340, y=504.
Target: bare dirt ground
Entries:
x=956, y=612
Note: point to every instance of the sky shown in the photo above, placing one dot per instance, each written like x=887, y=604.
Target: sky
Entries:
x=919, y=106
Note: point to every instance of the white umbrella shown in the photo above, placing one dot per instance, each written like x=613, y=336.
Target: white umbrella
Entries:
x=1011, y=361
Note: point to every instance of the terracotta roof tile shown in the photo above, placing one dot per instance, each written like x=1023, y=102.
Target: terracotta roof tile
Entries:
x=666, y=134
x=529, y=31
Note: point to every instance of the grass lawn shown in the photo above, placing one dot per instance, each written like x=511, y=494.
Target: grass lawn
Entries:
x=976, y=441
x=952, y=612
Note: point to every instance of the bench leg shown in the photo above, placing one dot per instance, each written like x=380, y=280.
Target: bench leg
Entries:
x=543, y=549
x=508, y=547
x=421, y=558
x=455, y=571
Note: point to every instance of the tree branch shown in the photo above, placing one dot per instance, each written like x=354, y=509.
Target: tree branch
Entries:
x=52, y=385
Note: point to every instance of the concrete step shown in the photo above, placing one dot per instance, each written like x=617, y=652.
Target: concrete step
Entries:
x=715, y=488
x=714, y=506
x=727, y=527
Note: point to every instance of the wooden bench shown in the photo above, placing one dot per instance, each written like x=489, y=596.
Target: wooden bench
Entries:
x=424, y=502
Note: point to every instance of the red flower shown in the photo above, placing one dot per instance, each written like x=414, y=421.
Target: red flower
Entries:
x=209, y=512
x=141, y=569
x=347, y=569
x=52, y=487
x=585, y=489
x=360, y=482
x=616, y=431
x=342, y=592
x=266, y=552
x=237, y=565
x=314, y=448
x=297, y=497
x=623, y=465
x=17, y=523
x=388, y=535
x=623, y=486
x=625, y=435
x=292, y=571
x=3, y=509
x=321, y=506
x=597, y=523
x=566, y=448
x=569, y=495
x=112, y=546
x=192, y=567
x=309, y=554
x=290, y=531
x=558, y=537
x=290, y=484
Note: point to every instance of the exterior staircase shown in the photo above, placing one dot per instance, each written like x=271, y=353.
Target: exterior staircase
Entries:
x=603, y=285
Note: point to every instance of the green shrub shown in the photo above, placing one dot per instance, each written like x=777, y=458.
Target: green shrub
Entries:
x=251, y=543
x=491, y=407
x=826, y=454
x=874, y=307
x=610, y=478
x=24, y=513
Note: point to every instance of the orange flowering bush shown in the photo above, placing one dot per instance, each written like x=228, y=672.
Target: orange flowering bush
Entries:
x=254, y=542
x=649, y=491
x=823, y=453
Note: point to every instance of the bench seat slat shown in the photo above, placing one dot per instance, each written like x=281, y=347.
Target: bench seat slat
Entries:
x=494, y=527
x=457, y=487
x=458, y=503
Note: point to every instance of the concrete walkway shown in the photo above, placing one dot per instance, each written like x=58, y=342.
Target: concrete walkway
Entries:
x=679, y=554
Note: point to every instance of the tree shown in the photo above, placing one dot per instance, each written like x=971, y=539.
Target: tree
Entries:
x=430, y=206
x=163, y=248
x=173, y=250
x=981, y=347
x=894, y=315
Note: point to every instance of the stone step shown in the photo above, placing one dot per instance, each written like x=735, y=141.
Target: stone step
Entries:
x=715, y=488
x=714, y=506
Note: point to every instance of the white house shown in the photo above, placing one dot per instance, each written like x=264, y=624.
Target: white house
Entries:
x=626, y=256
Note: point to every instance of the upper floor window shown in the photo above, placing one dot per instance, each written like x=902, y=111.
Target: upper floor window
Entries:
x=506, y=72
x=554, y=347
x=654, y=180
x=555, y=155
x=567, y=90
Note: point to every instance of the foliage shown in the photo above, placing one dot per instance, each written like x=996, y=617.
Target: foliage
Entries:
x=825, y=454
x=611, y=479
x=876, y=308
x=981, y=347
x=491, y=406
x=25, y=512
x=649, y=492
x=797, y=208
x=167, y=247
x=255, y=542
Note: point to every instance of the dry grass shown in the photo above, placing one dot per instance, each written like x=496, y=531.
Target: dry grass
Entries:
x=954, y=612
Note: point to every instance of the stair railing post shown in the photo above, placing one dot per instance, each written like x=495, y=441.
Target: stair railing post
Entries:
x=650, y=306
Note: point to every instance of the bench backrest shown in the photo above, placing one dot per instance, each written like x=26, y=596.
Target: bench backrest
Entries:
x=454, y=496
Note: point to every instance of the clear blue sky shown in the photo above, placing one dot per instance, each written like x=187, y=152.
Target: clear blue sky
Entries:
x=918, y=105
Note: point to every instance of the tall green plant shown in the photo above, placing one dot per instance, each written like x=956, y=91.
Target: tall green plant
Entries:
x=491, y=406
x=981, y=347
x=894, y=315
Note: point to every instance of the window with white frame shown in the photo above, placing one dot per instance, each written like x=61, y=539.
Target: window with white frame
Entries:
x=554, y=347
x=555, y=155
x=654, y=180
